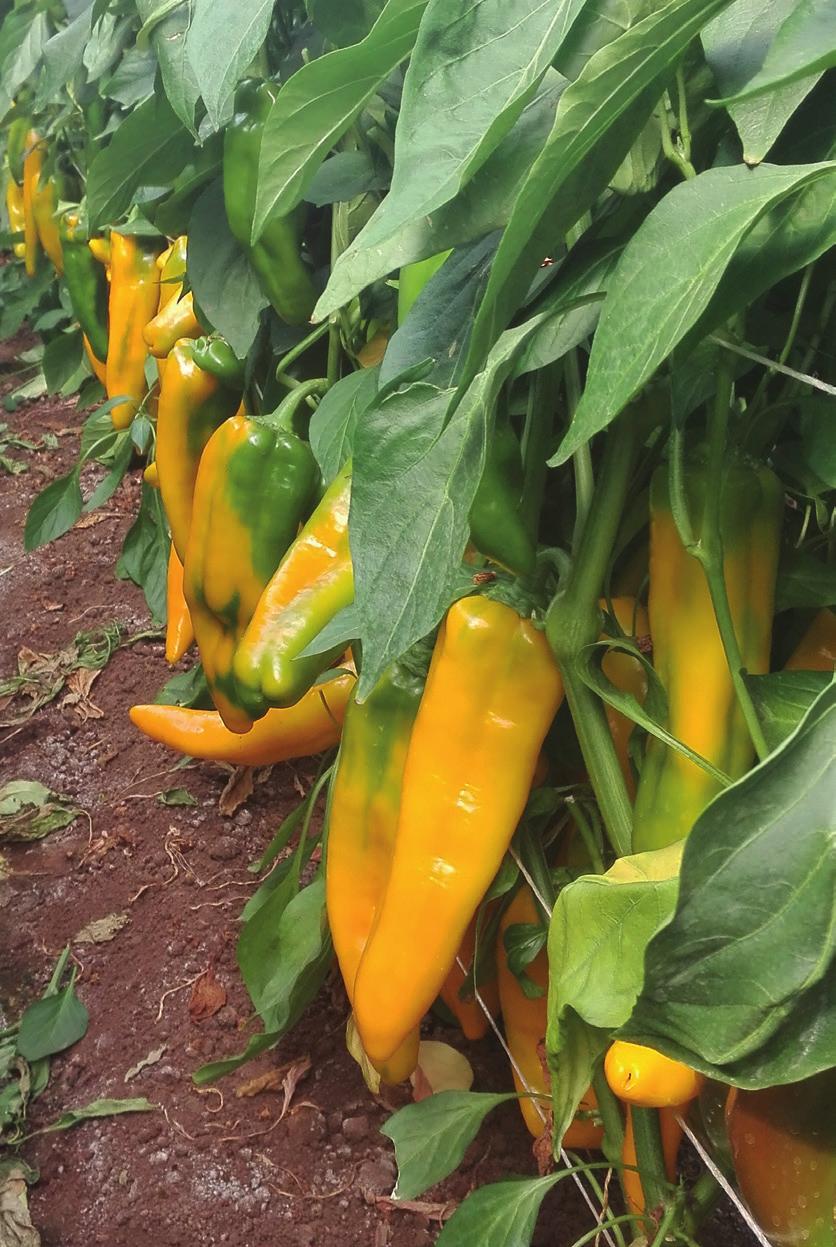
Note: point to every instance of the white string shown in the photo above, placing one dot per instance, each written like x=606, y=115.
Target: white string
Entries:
x=720, y=1178
x=773, y=365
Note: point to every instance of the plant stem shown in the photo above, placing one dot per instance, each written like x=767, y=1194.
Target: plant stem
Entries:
x=578, y=815
x=582, y=458
x=650, y=1159
x=664, y=1225
x=299, y=349
x=682, y=114
x=594, y=1234
x=671, y=151
x=610, y=1116
x=789, y=342
x=573, y=622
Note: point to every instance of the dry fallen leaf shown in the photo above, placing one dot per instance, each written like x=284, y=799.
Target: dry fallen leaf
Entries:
x=291, y=1080
x=271, y=1081
x=440, y=1068
x=95, y=517
x=52, y=606
x=543, y=1150
x=101, y=930
x=208, y=996
x=79, y=684
x=151, y=1059
x=237, y=789
x=16, y=1228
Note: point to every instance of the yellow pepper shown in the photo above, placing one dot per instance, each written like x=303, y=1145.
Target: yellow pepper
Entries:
x=17, y=214
x=816, y=651
x=179, y=632
x=134, y=291
x=491, y=695
x=45, y=204
x=647, y=1078
x=32, y=166
x=176, y=320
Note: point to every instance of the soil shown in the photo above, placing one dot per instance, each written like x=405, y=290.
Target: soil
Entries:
x=206, y=1166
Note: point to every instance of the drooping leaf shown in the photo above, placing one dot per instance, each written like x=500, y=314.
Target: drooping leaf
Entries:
x=62, y=356
x=223, y=39
x=23, y=60
x=62, y=56
x=748, y=958
x=735, y=43
x=54, y=511
x=144, y=557
x=599, y=929
x=304, y=955
x=320, y=101
x=52, y=1024
x=432, y=1136
x=691, y=236
x=169, y=41
x=502, y=1214
x=221, y=276
x=805, y=44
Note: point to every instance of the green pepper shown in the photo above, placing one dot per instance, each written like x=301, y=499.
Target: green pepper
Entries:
x=16, y=145
x=256, y=484
x=688, y=653
x=497, y=526
x=85, y=281
x=216, y=356
x=275, y=257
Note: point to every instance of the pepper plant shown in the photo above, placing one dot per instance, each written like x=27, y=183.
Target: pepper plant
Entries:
x=489, y=407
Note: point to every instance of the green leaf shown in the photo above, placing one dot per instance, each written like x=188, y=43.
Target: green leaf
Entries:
x=343, y=177
x=344, y=21
x=186, y=688
x=805, y=44
x=132, y=81
x=783, y=698
x=108, y=39
x=23, y=61
x=691, y=236
x=30, y=811
x=52, y=1024
x=149, y=148
x=144, y=557
x=341, y=630
x=599, y=929
x=221, y=276
x=818, y=434
x=804, y=581
x=334, y=422
x=735, y=45
x=320, y=101
x=432, y=1136
x=597, y=119
x=481, y=207
x=477, y=69
x=748, y=958
x=169, y=40
x=224, y=37
x=98, y=1108
x=62, y=55
x=119, y=465
x=303, y=959
x=256, y=1045
x=62, y=356
x=176, y=796
x=54, y=511
x=502, y=1214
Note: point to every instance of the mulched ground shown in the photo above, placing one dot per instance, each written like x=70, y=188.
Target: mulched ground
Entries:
x=208, y=1167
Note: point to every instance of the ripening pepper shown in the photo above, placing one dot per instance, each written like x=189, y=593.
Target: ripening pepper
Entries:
x=85, y=281
x=172, y=266
x=783, y=1143
x=816, y=651
x=98, y=369
x=307, y=728
x=629, y=676
x=524, y=1019
x=275, y=257
x=362, y=823
x=101, y=251
x=215, y=355
x=16, y=214
x=192, y=405
x=151, y=476
x=688, y=654
x=176, y=320
x=647, y=1078
x=46, y=194
x=17, y=141
x=256, y=483
x=462, y=1003
x=492, y=691
x=179, y=632
x=314, y=581
x=32, y=165
x=671, y=1135
x=134, y=291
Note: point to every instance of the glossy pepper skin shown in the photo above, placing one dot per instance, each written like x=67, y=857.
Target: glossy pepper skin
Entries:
x=32, y=165
x=215, y=355
x=307, y=728
x=524, y=1020
x=783, y=1143
x=492, y=691
x=176, y=320
x=256, y=483
x=17, y=136
x=629, y=676
x=649, y=1079
x=314, y=581
x=100, y=250
x=179, y=632
x=362, y=824
x=275, y=258
x=496, y=524
x=687, y=651
x=98, y=369
x=465, y=1007
x=16, y=214
x=192, y=405
x=172, y=266
x=816, y=651
x=85, y=281
x=46, y=194
x=134, y=292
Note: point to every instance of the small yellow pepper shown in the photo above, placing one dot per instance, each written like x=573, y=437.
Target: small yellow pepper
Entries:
x=179, y=632
x=134, y=292
x=647, y=1078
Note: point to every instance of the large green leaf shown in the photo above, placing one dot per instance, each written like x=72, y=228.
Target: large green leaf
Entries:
x=783, y=698
x=597, y=120
x=344, y=21
x=223, y=39
x=62, y=55
x=741, y=983
x=223, y=280
x=432, y=1136
x=474, y=68
x=502, y=1214
x=144, y=557
x=168, y=39
x=149, y=149
x=805, y=44
x=735, y=45
x=482, y=206
x=691, y=236
x=52, y=1024
x=320, y=101
x=334, y=422
x=23, y=60
x=599, y=929
x=304, y=955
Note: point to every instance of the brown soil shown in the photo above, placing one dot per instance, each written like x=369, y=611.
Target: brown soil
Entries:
x=209, y=1167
